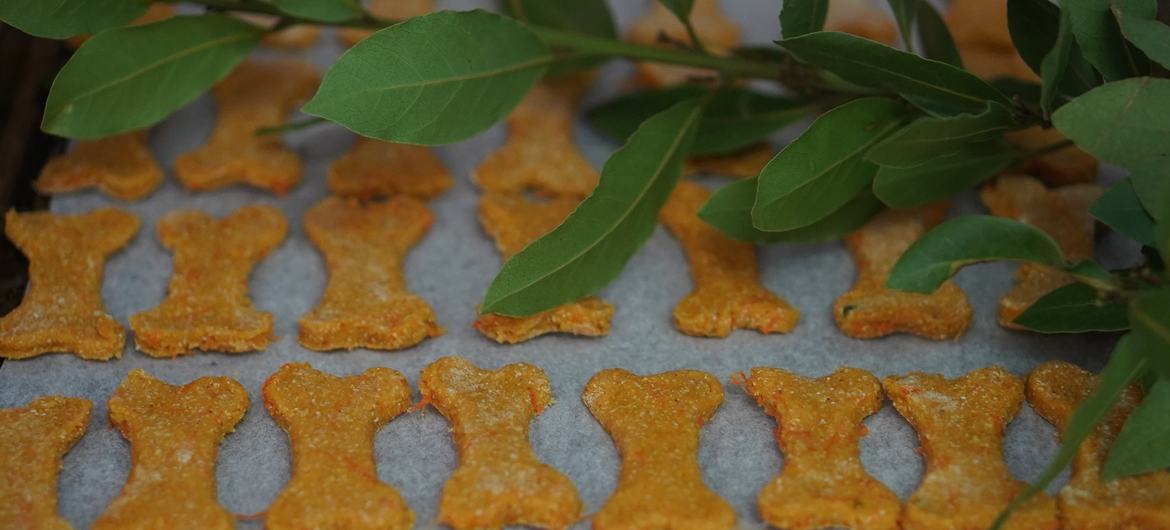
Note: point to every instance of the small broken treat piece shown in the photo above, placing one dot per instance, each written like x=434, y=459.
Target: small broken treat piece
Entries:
x=740, y=165
x=861, y=18
x=1062, y=213
x=257, y=94
x=331, y=422
x=385, y=10
x=33, y=442
x=154, y=13
x=120, y=166
x=515, y=221
x=373, y=168
x=541, y=154
x=661, y=28
x=982, y=23
x=655, y=422
x=500, y=481
x=207, y=306
x=870, y=310
x=960, y=424
x=366, y=304
x=174, y=434
x=1069, y=165
x=819, y=427
x=728, y=294
x=1055, y=390
x=62, y=309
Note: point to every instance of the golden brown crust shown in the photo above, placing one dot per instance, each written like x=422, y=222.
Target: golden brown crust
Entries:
x=718, y=33
x=1059, y=168
x=740, y=165
x=62, y=309
x=819, y=426
x=386, y=10
x=373, y=168
x=174, y=434
x=727, y=294
x=514, y=221
x=960, y=424
x=331, y=422
x=207, y=306
x=366, y=303
x=33, y=441
x=120, y=166
x=500, y=481
x=1062, y=213
x=257, y=94
x=870, y=310
x=1055, y=390
x=655, y=423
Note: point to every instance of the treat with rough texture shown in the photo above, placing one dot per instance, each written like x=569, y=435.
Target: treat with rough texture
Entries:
x=541, y=153
x=515, y=221
x=120, y=166
x=331, y=422
x=1062, y=167
x=739, y=165
x=174, y=434
x=366, y=304
x=861, y=18
x=870, y=310
x=385, y=10
x=1055, y=390
x=207, y=306
x=960, y=424
x=33, y=441
x=257, y=94
x=1062, y=213
x=62, y=309
x=661, y=28
x=655, y=422
x=728, y=294
x=819, y=427
x=500, y=481
x=373, y=168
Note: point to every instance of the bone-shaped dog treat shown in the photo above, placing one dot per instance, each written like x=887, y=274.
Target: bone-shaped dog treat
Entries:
x=62, y=309
x=499, y=481
x=375, y=168
x=207, y=306
x=823, y=483
x=960, y=424
x=728, y=293
x=385, y=10
x=1062, y=213
x=1055, y=390
x=660, y=27
x=655, y=422
x=33, y=441
x=366, y=303
x=541, y=153
x=871, y=310
x=174, y=434
x=515, y=221
x=120, y=166
x=331, y=422
x=256, y=95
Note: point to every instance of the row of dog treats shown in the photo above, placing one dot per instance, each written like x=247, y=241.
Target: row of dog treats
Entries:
x=655, y=422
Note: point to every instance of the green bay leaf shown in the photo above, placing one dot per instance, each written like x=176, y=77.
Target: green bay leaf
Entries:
x=798, y=17
x=590, y=17
x=930, y=137
x=1055, y=64
x=729, y=210
x=1124, y=122
x=328, y=11
x=1120, y=209
x=60, y=19
x=1139, y=23
x=905, y=14
x=1099, y=38
x=964, y=167
x=1033, y=25
x=1151, y=182
x=1074, y=308
x=1144, y=442
x=937, y=42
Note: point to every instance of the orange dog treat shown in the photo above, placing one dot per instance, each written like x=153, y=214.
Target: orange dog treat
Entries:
x=62, y=309
x=660, y=27
x=174, y=434
x=1055, y=390
x=374, y=168
x=741, y=165
x=727, y=293
x=655, y=422
x=823, y=483
x=871, y=310
x=980, y=22
x=861, y=18
x=960, y=424
x=1062, y=213
x=120, y=166
x=1058, y=168
x=540, y=153
x=33, y=440
x=256, y=95
x=500, y=481
x=515, y=221
x=207, y=306
x=366, y=304
x=331, y=422
x=386, y=10
x=995, y=63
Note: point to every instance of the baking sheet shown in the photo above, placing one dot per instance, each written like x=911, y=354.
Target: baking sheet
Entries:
x=451, y=269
